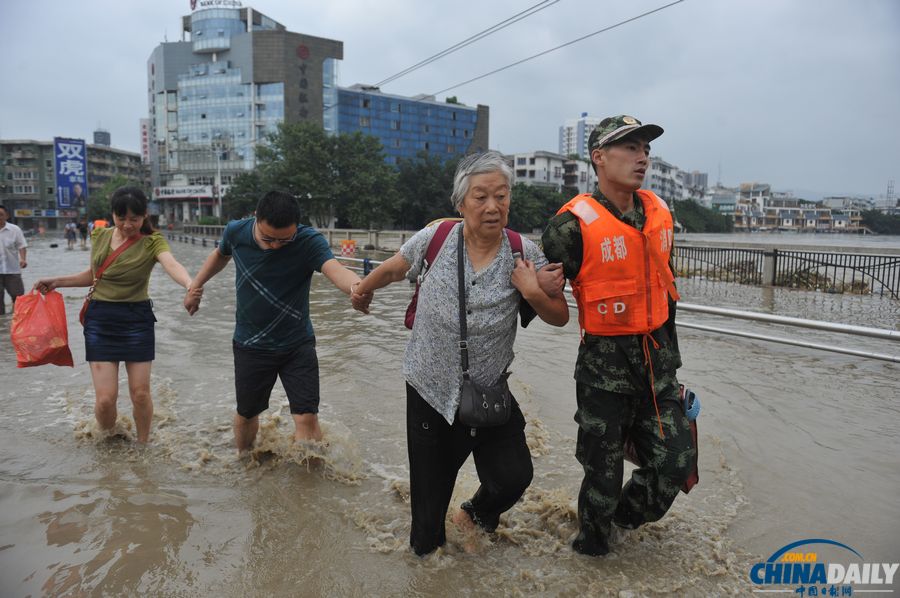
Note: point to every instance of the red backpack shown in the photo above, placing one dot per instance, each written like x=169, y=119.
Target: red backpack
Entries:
x=437, y=242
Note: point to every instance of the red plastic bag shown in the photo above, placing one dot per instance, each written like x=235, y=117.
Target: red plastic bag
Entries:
x=39, y=331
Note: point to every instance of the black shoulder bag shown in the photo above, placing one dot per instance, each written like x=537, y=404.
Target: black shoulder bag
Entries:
x=479, y=406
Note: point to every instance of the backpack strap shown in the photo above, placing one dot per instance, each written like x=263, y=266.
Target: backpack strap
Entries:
x=436, y=244
x=515, y=242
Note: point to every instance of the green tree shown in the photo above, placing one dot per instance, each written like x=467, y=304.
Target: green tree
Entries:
x=334, y=176
x=697, y=219
x=884, y=224
x=532, y=206
x=298, y=160
x=98, y=201
x=243, y=195
x=364, y=188
x=424, y=185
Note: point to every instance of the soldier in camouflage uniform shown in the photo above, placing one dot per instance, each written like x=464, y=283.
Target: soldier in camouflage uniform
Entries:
x=613, y=373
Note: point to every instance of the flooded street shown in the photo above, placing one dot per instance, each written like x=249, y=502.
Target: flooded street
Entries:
x=794, y=444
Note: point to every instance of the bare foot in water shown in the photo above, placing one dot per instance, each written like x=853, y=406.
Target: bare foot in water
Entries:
x=469, y=530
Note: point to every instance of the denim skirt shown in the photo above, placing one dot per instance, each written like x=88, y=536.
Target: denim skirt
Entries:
x=119, y=331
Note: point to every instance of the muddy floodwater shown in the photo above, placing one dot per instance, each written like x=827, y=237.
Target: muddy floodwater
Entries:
x=794, y=444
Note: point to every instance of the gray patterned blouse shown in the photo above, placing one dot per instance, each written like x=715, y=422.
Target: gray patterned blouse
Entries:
x=431, y=364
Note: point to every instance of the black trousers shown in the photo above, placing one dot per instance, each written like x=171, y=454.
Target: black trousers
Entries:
x=437, y=450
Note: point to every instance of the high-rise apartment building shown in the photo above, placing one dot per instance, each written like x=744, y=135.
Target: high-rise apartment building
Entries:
x=213, y=96
x=540, y=168
x=573, y=136
x=28, y=181
x=409, y=125
x=696, y=179
x=664, y=179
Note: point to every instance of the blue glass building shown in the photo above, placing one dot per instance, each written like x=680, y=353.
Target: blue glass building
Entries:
x=407, y=126
x=213, y=96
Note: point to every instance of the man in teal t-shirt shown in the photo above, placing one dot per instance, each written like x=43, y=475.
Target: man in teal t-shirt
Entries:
x=275, y=257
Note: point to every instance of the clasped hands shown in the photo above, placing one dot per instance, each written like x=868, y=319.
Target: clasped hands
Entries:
x=548, y=279
x=192, y=299
x=360, y=301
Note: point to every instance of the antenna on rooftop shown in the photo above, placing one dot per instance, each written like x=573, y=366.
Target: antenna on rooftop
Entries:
x=890, y=193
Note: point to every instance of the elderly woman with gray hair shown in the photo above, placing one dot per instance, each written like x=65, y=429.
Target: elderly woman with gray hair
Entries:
x=496, y=281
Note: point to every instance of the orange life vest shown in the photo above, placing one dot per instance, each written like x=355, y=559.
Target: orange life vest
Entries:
x=625, y=276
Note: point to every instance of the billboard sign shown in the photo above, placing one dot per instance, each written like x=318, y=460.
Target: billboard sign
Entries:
x=189, y=192
x=203, y=4
x=145, y=140
x=71, y=172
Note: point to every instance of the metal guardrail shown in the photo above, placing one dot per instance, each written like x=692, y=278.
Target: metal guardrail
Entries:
x=726, y=264
x=366, y=265
x=879, y=333
x=838, y=272
x=831, y=272
x=827, y=271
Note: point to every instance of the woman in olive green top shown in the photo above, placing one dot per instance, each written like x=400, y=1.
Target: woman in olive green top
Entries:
x=119, y=321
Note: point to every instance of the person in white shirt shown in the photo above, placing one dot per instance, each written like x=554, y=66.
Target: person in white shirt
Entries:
x=71, y=234
x=12, y=259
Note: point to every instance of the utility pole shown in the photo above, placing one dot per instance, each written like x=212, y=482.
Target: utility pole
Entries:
x=219, y=181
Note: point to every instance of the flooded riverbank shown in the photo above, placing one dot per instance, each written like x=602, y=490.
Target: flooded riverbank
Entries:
x=794, y=444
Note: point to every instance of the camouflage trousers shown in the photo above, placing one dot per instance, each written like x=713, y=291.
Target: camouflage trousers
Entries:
x=604, y=420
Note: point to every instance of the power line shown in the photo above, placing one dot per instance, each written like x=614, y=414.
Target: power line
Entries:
x=569, y=43
x=471, y=40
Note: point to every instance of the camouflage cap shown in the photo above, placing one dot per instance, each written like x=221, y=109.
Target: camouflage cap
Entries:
x=613, y=128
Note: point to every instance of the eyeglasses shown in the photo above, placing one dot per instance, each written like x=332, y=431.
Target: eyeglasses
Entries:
x=272, y=240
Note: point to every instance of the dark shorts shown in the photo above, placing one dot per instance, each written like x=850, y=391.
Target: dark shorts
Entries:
x=11, y=284
x=255, y=371
x=119, y=331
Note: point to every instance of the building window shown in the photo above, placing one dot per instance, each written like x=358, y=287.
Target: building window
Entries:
x=530, y=174
x=49, y=190
x=454, y=115
x=531, y=161
x=395, y=107
x=451, y=149
x=427, y=146
x=366, y=102
x=396, y=143
x=364, y=121
x=395, y=125
x=427, y=128
x=520, y=161
x=453, y=133
x=521, y=173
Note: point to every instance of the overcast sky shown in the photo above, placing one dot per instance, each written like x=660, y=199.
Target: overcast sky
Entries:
x=801, y=94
